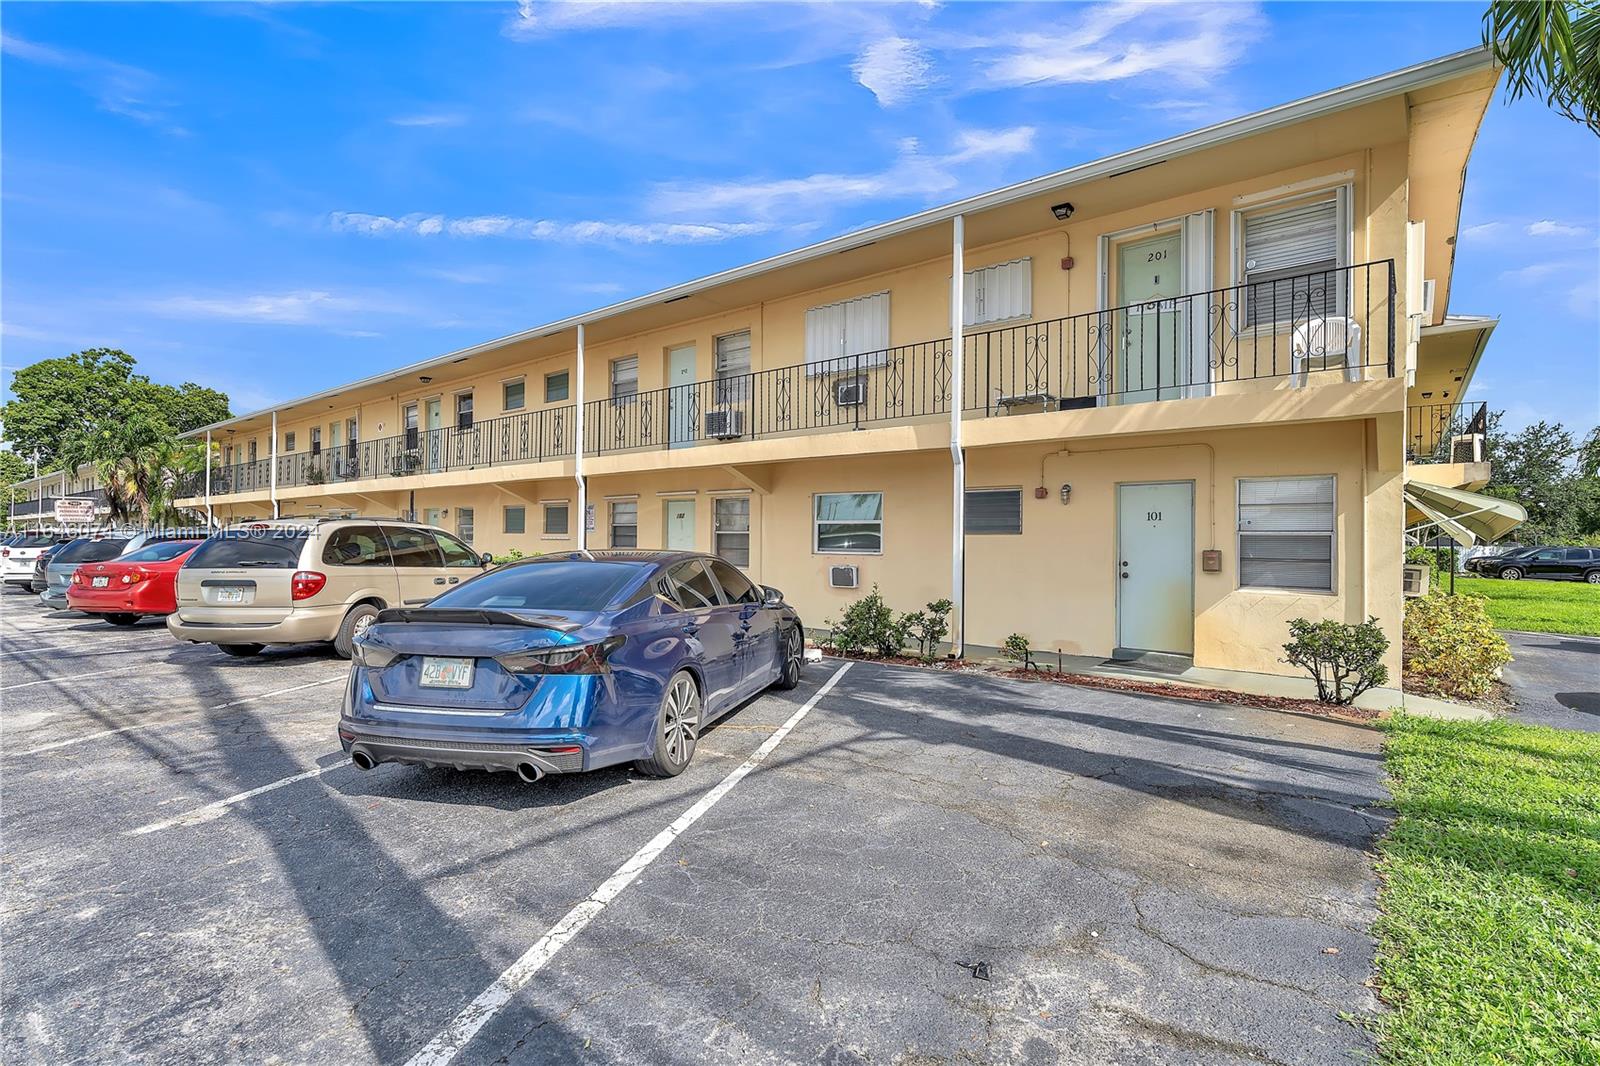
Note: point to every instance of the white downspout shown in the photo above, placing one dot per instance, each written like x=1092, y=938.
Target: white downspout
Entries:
x=272, y=463
x=210, y=522
x=577, y=451
x=958, y=499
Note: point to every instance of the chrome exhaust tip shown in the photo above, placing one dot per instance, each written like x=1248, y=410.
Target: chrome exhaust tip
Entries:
x=362, y=760
x=529, y=772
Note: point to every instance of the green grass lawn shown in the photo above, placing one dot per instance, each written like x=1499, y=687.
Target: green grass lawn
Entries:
x=1489, y=933
x=1537, y=606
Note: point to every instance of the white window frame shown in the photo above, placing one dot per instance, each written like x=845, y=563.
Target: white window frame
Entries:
x=1332, y=535
x=975, y=285
x=288, y=441
x=732, y=383
x=506, y=384
x=555, y=373
x=1343, y=195
x=717, y=532
x=817, y=523
x=466, y=527
x=472, y=412
x=611, y=523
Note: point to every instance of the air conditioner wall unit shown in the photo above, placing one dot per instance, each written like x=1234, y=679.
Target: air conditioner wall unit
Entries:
x=1414, y=580
x=1466, y=448
x=850, y=392
x=844, y=577
x=725, y=423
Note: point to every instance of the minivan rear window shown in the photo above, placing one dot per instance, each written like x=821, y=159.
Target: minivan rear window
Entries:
x=269, y=549
x=575, y=585
x=90, y=551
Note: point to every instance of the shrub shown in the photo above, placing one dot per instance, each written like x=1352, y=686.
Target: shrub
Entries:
x=1449, y=645
x=1344, y=660
x=1417, y=555
x=1016, y=649
x=928, y=627
x=509, y=557
x=868, y=625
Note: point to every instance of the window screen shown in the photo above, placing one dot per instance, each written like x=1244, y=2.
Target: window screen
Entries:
x=1286, y=528
x=555, y=519
x=994, y=511
x=732, y=529
x=516, y=520
x=515, y=395
x=624, y=377
x=556, y=386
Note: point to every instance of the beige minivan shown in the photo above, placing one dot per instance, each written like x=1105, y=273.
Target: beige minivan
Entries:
x=290, y=581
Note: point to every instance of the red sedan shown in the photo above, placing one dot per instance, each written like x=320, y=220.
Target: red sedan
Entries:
x=122, y=591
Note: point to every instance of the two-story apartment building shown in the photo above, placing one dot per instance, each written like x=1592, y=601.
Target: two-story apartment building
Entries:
x=34, y=499
x=1155, y=402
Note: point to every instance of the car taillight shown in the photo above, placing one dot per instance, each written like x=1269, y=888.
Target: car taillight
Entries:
x=133, y=576
x=77, y=577
x=306, y=583
x=566, y=659
x=373, y=655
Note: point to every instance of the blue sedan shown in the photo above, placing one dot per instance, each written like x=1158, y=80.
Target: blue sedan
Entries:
x=567, y=663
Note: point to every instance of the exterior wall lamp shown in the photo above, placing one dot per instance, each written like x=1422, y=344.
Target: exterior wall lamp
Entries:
x=1062, y=211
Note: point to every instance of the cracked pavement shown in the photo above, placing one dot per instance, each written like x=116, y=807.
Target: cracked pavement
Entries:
x=1148, y=880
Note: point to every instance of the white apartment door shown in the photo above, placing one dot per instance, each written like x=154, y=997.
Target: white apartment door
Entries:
x=433, y=516
x=433, y=443
x=1155, y=572
x=680, y=525
x=681, y=400
x=1152, y=333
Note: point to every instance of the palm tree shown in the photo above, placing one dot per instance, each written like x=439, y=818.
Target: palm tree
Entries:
x=143, y=484
x=1552, y=49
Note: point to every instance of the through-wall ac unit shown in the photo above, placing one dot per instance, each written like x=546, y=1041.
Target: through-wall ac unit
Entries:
x=850, y=392
x=725, y=423
x=1466, y=448
x=844, y=577
x=1414, y=580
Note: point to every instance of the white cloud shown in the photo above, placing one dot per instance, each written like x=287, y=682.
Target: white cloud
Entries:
x=539, y=229
x=434, y=118
x=893, y=69
x=1183, y=43
x=1547, y=227
x=1532, y=272
x=1584, y=298
x=1484, y=231
x=304, y=307
x=912, y=174
x=532, y=20
x=116, y=87
x=598, y=288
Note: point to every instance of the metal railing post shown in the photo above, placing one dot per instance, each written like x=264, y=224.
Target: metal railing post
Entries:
x=210, y=521
x=577, y=450
x=958, y=485
x=272, y=464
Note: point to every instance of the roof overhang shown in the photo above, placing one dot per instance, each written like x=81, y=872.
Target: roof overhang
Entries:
x=1450, y=349
x=1407, y=80
x=1465, y=517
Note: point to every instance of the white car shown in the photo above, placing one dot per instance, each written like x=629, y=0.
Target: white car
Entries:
x=16, y=560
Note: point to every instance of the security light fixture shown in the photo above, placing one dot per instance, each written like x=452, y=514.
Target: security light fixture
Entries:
x=1061, y=211
x=424, y=379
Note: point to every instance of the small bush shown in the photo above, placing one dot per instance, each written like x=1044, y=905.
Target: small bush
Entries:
x=1449, y=645
x=1016, y=649
x=869, y=626
x=509, y=557
x=927, y=627
x=1417, y=555
x=1344, y=660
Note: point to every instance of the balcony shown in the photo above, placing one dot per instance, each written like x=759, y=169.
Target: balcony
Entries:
x=1446, y=432
x=1295, y=332
x=47, y=506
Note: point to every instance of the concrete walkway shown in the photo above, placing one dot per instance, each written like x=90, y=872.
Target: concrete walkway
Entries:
x=1555, y=680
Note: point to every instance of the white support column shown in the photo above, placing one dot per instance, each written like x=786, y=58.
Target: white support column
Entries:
x=958, y=499
x=272, y=464
x=577, y=449
x=210, y=522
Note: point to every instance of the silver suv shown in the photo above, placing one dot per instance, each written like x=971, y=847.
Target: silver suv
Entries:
x=295, y=580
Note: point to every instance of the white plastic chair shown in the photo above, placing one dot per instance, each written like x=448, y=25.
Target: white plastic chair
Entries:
x=1323, y=343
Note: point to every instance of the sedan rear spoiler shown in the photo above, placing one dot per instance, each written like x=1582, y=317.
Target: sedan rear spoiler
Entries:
x=477, y=616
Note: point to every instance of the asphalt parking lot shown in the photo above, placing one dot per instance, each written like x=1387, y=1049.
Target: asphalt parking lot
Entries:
x=192, y=873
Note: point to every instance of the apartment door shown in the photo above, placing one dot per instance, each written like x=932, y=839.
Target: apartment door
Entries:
x=682, y=405
x=433, y=442
x=680, y=525
x=1155, y=571
x=1152, y=333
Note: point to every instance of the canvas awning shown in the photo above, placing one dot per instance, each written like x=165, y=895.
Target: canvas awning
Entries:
x=1465, y=517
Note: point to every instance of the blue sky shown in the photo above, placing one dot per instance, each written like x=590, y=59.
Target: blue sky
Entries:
x=274, y=199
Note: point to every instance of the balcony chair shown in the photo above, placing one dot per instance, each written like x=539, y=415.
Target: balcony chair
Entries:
x=1325, y=343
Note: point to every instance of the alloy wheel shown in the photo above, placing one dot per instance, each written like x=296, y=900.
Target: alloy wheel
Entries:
x=680, y=719
x=795, y=651
x=363, y=623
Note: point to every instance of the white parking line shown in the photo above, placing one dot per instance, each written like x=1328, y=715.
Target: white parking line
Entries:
x=71, y=677
x=157, y=725
x=212, y=810
x=448, y=1044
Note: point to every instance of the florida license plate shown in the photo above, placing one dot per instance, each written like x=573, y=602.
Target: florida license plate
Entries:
x=99, y=582
x=446, y=673
x=228, y=594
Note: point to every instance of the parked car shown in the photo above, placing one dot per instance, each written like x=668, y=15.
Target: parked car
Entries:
x=298, y=580
x=37, y=581
x=66, y=560
x=568, y=663
x=1552, y=564
x=134, y=585
x=1479, y=559
x=18, y=557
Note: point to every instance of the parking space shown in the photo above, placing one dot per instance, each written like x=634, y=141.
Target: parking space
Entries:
x=193, y=874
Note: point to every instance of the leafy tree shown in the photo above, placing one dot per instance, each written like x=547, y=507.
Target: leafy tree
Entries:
x=13, y=468
x=1550, y=49
x=1548, y=472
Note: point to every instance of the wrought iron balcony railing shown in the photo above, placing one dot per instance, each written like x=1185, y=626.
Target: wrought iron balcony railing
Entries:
x=1446, y=432
x=1324, y=326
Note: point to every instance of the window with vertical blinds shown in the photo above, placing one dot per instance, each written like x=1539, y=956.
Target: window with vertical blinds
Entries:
x=1286, y=529
x=996, y=293
x=849, y=328
x=1291, y=259
x=993, y=511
